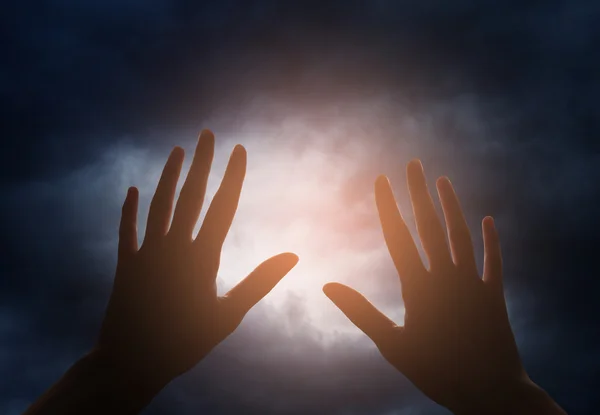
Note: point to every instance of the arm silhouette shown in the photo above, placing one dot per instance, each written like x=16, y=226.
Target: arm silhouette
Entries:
x=164, y=314
x=456, y=344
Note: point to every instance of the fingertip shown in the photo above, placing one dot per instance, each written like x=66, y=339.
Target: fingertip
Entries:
x=239, y=149
x=415, y=175
x=488, y=223
x=239, y=153
x=492, y=263
x=414, y=166
x=177, y=153
x=443, y=182
x=291, y=258
x=284, y=262
x=382, y=181
x=237, y=163
x=331, y=288
x=206, y=139
x=131, y=198
x=383, y=189
x=206, y=133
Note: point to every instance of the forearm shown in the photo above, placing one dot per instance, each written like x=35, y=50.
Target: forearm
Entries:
x=94, y=385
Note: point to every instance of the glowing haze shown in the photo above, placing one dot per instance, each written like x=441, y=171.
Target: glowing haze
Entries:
x=325, y=95
x=308, y=190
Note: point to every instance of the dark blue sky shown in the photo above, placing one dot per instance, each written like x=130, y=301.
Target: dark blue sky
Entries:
x=501, y=96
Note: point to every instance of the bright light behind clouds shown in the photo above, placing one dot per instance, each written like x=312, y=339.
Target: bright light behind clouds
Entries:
x=298, y=202
x=302, y=200
x=308, y=190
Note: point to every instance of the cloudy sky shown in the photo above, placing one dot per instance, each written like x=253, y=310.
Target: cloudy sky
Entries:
x=325, y=95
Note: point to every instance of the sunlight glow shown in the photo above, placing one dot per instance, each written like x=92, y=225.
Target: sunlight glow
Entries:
x=307, y=191
x=305, y=202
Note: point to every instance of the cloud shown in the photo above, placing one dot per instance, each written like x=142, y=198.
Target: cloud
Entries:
x=501, y=97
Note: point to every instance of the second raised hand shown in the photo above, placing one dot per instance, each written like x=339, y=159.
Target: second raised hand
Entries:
x=164, y=314
x=456, y=344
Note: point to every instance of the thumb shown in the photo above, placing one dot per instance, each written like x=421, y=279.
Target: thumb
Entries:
x=361, y=312
x=241, y=298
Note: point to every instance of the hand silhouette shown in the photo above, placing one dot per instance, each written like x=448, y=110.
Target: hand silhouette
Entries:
x=456, y=344
x=164, y=314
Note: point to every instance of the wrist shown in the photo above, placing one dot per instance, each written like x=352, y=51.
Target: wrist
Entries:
x=97, y=384
x=125, y=385
x=522, y=396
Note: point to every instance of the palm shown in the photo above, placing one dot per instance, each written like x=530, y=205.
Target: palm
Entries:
x=455, y=339
x=456, y=344
x=164, y=314
x=182, y=324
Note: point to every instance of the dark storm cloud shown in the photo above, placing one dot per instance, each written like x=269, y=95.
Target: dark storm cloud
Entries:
x=507, y=89
x=78, y=73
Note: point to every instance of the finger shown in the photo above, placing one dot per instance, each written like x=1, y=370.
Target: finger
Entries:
x=361, y=312
x=128, y=243
x=257, y=284
x=222, y=209
x=492, y=261
x=192, y=193
x=459, y=235
x=161, y=206
x=397, y=236
x=429, y=227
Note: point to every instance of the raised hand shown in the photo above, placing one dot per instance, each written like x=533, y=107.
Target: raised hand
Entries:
x=456, y=344
x=164, y=314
